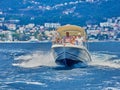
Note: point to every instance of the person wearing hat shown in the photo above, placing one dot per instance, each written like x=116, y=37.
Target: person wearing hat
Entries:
x=79, y=39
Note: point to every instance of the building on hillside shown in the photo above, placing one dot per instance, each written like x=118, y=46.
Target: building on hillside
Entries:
x=52, y=25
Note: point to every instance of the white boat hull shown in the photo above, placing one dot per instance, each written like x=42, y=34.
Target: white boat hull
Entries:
x=70, y=55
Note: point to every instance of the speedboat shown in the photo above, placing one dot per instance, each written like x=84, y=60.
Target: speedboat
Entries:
x=68, y=54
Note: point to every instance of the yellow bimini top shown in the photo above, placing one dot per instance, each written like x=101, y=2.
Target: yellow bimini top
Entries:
x=72, y=29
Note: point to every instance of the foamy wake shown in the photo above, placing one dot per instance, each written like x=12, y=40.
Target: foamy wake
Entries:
x=99, y=59
x=46, y=59
x=28, y=82
x=35, y=60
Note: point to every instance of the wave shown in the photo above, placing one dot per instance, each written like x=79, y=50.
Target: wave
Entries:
x=35, y=59
x=107, y=60
x=27, y=82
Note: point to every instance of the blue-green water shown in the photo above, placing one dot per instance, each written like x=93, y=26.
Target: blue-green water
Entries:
x=30, y=66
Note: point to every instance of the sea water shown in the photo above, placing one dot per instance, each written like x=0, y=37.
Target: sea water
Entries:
x=30, y=66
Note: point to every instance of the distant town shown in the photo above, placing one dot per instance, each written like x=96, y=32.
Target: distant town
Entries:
x=11, y=31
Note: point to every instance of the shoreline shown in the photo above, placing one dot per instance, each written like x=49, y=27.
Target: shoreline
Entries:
x=23, y=41
x=104, y=41
x=51, y=41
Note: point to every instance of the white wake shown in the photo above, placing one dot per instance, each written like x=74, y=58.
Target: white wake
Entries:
x=35, y=60
x=99, y=59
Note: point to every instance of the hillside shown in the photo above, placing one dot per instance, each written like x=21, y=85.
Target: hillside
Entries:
x=79, y=12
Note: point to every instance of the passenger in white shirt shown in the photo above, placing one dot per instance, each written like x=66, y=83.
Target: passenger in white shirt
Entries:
x=79, y=40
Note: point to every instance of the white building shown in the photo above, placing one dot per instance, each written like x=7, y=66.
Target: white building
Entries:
x=104, y=24
x=9, y=36
x=11, y=26
x=31, y=25
x=89, y=0
x=52, y=25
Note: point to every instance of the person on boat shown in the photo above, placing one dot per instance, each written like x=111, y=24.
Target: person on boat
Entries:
x=73, y=40
x=55, y=38
x=79, y=39
x=67, y=38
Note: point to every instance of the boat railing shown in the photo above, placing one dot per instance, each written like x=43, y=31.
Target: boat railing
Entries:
x=70, y=41
x=83, y=44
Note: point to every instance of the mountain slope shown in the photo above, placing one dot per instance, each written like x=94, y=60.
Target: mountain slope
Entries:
x=77, y=12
